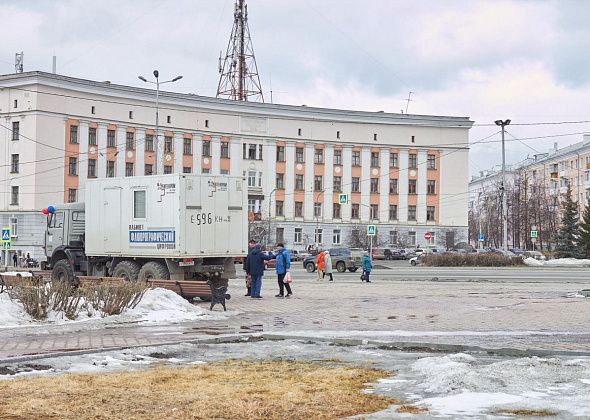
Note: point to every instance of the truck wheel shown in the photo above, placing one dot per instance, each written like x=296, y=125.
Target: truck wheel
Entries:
x=310, y=267
x=129, y=270
x=63, y=271
x=341, y=267
x=153, y=271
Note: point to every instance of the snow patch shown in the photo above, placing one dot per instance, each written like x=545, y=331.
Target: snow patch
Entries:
x=558, y=262
x=12, y=313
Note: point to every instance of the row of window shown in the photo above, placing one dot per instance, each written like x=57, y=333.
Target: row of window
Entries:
x=337, y=236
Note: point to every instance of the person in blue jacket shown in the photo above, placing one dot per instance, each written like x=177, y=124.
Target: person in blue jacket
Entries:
x=255, y=267
x=367, y=267
x=282, y=267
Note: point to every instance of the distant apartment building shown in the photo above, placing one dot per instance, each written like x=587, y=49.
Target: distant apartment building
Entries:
x=408, y=174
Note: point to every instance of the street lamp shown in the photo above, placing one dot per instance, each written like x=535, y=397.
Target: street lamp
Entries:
x=157, y=83
x=504, y=197
x=269, y=204
x=317, y=216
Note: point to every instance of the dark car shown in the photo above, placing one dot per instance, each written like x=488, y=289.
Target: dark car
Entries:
x=398, y=254
x=342, y=259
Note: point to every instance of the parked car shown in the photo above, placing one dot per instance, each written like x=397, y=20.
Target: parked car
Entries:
x=414, y=261
x=381, y=254
x=17, y=273
x=342, y=259
x=398, y=254
x=516, y=251
x=502, y=252
x=534, y=254
x=295, y=255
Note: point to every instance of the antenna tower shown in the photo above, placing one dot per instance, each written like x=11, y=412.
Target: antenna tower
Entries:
x=239, y=79
x=19, y=62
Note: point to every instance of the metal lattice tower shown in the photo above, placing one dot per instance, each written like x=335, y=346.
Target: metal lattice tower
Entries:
x=239, y=79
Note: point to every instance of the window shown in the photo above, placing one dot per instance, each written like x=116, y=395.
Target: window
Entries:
x=337, y=157
x=393, y=161
x=336, y=237
x=91, y=168
x=280, y=181
x=206, y=148
x=280, y=153
x=167, y=144
x=318, y=156
x=110, y=168
x=374, y=160
x=298, y=235
x=412, y=213
x=375, y=137
x=167, y=169
x=259, y=152
x=298, y=209
x=374, y=211
x=252, y=151
x=317, y=183
x=252, y=178
x=298, y=181
x=92, y=136
x=430, y=213
x=431, y=162
x=374, y=185
x=393, y=186
x=14, y=164
x=73, y=166
x=149, y=143
x=187, y=170
x=299, y=131
x=431, y=187
x=148, y=169
x=317, y=209
x=206, y=123
x=14, y=196
x=72, y=193
x=225, y=149
x=187, y=146
x=13, y=227
x=139, y=204
x=337, y=134
x=337, y=184
x=111, y=142
x=412, y=186
x=280, y=235
x=15, y=130
x=129, y=169
x=318, y=235
x=356, y=158
x=16, y=103
x=92, y=110
x=393, y=237
x=413, y=139
x=251, y=205
x=73, y=134
x=336, y=211
x=355, y=210
x=392, y=213
x=279, y=208
x=412, y=161
x=412, y=238
x=299, y=155
x=224, y=172
x=130, y=115
x=130, y=143
x=356, y=184
x=168, y=119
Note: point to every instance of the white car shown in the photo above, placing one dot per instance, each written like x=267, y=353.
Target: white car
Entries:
x=416, y=260
x=17, y=273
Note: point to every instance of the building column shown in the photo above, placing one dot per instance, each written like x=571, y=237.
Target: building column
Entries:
x=269, y=180
x=197, y=152
x=309, y=192
x=328, y=181
x=365, y=184
x=421, y=188
x=384, y=185
x=178, y=152
x=403, y=186
x=290, y=180
x=139, y=152
x=101, y=159
x=235, y=158
x=82, y=158
x=216, y=155
x=121, y=149
x=347, y=181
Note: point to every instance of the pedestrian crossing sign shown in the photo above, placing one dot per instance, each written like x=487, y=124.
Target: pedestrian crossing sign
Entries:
x=5, y=234
x=343, y=198
x=371, y=230
x=6, y=245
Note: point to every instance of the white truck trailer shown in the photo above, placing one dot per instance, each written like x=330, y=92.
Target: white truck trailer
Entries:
x=178, y=227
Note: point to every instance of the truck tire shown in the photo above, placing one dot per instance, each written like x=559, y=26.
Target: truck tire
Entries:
x=153, y=271
x=63, y=271
x=129, y=270
x=310, y=267
x=341, y=267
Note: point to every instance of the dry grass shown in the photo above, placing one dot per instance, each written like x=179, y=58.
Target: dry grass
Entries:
x=525, y=412
x=224, y=390
x=411, y=409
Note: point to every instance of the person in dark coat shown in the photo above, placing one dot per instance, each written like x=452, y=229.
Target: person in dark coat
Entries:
x=15, y=260
x=251, y=245
x=255, y=267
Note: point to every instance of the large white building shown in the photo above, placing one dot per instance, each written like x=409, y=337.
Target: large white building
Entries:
x=408, y=174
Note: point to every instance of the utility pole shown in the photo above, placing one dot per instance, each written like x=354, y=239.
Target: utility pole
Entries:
x=503, y=188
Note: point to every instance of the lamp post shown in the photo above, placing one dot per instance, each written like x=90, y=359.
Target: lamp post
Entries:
x=317, y=216
x=269, y=204
x=157, y=83
x=504, y=197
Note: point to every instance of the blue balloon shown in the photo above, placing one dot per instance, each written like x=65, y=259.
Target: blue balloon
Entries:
x=51, y=209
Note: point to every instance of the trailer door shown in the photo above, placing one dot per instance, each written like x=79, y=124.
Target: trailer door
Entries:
x=111, y=220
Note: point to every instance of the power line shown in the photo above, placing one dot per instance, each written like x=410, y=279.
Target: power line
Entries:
x=538, y=123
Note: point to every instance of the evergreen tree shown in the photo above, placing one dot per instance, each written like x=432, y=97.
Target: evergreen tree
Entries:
x=567, y=236
x=584, y=233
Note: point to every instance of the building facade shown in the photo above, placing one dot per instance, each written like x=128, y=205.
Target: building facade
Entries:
x=408, y=174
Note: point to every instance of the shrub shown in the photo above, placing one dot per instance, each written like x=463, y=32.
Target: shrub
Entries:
x=112, y=299
x=470, y=260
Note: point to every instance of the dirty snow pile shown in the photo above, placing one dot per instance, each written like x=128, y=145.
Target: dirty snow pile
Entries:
x=12, y=313
x=558, y=262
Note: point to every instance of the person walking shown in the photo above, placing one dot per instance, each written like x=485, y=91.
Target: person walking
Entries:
x=15, y=259
x=367, y=267
x=255, y=267
x=319, y=263
x=282, y=268
x=251, y=245
x=328, y=265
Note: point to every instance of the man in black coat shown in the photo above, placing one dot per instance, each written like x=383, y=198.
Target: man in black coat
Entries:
x=255, y=267
x=251, y=245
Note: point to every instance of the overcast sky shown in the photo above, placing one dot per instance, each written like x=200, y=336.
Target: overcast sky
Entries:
x=524, y=60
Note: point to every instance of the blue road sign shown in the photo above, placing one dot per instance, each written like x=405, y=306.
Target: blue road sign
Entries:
x=343, y=198
x=5, y=234
x=480, y=237
x=6, y=245
x=371, y=230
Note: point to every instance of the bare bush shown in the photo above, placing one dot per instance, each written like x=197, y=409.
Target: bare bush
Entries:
x=470, y=260
x=112, y=299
